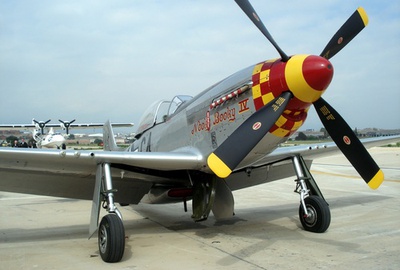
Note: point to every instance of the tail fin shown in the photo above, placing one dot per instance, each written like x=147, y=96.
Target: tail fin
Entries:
x=108, y=138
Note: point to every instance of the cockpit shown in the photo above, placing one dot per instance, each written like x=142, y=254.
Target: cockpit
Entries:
x=160, y=111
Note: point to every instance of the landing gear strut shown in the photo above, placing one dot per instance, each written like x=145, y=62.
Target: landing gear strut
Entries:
x=314, y=212
x=111, y=232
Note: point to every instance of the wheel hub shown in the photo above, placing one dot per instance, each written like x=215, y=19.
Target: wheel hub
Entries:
x=311, y=218
x=103, y=239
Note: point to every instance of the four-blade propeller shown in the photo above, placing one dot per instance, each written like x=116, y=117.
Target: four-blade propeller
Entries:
x=239, y=144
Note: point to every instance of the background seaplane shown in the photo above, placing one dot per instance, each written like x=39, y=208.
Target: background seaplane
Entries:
x=44, y=135
x=205, y=147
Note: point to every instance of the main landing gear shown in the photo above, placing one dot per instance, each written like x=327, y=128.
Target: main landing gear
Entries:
x=314, y=212
x=111, y=238
x=111, y=232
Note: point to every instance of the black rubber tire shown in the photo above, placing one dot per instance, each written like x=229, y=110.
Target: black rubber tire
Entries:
x=319, y=217
x=111, y=238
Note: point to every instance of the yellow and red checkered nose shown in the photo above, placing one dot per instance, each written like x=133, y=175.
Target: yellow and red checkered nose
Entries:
x=308, y=76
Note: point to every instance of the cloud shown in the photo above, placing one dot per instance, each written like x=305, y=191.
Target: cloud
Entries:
x=94, y=60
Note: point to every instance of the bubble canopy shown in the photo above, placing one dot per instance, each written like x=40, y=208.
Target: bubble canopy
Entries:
x=159, y=111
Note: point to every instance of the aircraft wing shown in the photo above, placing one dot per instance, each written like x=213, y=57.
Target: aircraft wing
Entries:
x=71, y=174
x=81, y=126
x=17, y=126
x=99, y=125
x=278, y=165
x=313, y=151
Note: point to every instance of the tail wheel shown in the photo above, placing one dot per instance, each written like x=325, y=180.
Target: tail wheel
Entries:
x=111, y=238
x=319, y=215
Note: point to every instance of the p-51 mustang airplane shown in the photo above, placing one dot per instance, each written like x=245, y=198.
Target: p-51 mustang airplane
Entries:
x=203, y=148
x=54, y=139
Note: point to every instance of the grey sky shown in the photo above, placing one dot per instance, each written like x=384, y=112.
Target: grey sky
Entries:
x=99, y=60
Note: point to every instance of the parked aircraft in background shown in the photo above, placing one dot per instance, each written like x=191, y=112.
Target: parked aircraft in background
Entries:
x=204, y=147
x=54, y=139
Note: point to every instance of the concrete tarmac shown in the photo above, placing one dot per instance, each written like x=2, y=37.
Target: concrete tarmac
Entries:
x=39, y=232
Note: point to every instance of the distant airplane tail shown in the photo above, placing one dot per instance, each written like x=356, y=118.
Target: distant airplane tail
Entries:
x=108, y=138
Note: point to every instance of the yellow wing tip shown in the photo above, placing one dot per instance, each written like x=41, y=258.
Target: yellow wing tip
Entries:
x=363, y=15
x=218, y=166
x=377, y=180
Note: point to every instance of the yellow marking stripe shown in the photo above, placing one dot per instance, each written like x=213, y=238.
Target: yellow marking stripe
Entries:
x=297, y=124
x=257, y=68
x=256, y=91
x=287, y=112
x=268, y=98
x=363, y=15
x=377, y=180
x=218, y=166
x=264, y=76
x=280, y=132
x=281, y=121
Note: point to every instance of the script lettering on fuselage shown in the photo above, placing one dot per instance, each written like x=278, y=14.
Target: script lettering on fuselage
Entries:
x=229, y=114
x=202, y=124
x=226, y=115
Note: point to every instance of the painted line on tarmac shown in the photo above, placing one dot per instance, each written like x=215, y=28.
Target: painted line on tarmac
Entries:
x=350, y=176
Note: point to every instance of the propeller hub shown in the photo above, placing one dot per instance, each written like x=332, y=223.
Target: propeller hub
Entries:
x=308, y=76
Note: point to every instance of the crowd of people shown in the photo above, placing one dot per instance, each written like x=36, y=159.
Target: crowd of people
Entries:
x=24, y=144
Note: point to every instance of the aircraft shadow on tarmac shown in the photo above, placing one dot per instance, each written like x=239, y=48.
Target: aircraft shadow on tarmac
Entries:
x=253, y=229
x=172, y=218
x=255, y=222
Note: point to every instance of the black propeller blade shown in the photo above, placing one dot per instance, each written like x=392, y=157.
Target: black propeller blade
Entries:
x=66, y=124
x=346, y=33
x=41, y=125
x=251, y=13
x=349, y=144
x=338, y=129
x=237, y=146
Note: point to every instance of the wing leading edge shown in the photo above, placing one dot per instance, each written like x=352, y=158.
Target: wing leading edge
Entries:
x=71, y=161
x=71, y=174
x=313, y=151
x=278, y=164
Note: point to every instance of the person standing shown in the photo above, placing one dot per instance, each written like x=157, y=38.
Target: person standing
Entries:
x=16, y=144
x=23, y=144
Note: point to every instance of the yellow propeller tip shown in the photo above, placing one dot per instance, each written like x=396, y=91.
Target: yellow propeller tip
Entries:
x=363, y=15
x=218, y=166
x=377, y=180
